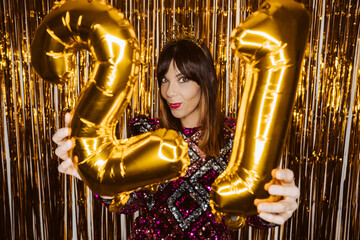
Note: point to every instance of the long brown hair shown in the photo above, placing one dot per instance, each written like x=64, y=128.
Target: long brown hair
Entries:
x=195, y=63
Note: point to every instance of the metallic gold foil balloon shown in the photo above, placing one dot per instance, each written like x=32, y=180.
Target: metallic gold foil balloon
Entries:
x=107, y=165
x=272, y=41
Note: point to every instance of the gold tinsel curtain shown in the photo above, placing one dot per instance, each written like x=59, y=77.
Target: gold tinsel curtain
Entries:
x=36, y=202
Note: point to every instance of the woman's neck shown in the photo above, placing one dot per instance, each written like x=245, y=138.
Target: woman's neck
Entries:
x=191, y=122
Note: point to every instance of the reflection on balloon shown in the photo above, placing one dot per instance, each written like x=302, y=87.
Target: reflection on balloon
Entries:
x=272, y=41
x=107, y=165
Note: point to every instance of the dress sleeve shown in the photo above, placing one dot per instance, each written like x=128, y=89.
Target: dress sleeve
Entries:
x=256, y=222
x=137, y=200
x=142, y=198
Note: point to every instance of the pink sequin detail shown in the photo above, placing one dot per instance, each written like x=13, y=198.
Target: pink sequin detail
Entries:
x=180, y=209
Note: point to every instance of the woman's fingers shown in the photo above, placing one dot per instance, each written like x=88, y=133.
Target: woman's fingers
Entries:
x=278, y=207
x=282, y=185
x=280, y=177
x=62, y=151
x=68, y=118
x=68, y=167
x=272, y=182
x=285, y=175
x=62, y=138
x=270, y=199
x=275, y=218
x=277, y=212
x=285, y=191
x=65, y=165
x=61, y=135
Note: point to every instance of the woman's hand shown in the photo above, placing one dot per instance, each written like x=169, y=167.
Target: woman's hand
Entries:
x=62, y=138
x=282, y=185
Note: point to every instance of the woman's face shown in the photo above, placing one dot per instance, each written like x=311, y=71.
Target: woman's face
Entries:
x=182, y=95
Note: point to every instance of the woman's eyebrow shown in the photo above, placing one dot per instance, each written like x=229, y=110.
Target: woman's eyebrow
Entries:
x=179, y=75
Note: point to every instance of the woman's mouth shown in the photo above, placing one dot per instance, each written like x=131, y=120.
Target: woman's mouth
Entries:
x=174, y=105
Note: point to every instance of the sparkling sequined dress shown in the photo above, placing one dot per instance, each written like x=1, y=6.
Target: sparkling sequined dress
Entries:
x=180, y=209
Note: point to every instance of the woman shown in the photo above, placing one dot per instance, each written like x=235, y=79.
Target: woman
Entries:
x=190, y=105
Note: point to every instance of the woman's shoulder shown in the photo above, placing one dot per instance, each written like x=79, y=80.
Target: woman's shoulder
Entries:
x=142, y=124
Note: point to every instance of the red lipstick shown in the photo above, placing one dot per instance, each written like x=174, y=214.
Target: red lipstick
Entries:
x=174, y=105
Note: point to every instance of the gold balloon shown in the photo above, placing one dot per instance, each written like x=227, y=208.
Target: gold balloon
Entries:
x=107, y=165
x=272, y=41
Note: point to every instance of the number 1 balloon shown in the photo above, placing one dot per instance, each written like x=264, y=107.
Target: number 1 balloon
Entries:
x=272, y=41
x=107, y=165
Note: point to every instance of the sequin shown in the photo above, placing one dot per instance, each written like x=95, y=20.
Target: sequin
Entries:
x=180, y=208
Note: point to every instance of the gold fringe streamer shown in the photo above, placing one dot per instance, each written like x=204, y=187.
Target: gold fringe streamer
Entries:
x=322, y=148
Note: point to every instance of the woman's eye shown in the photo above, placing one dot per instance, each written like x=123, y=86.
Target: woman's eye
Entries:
x=163, y=80
x=183, y=79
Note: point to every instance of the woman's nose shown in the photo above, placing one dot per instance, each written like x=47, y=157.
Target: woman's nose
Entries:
x=171, y=90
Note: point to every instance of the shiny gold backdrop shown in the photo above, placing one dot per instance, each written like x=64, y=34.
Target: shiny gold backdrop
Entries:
x=322, y=148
